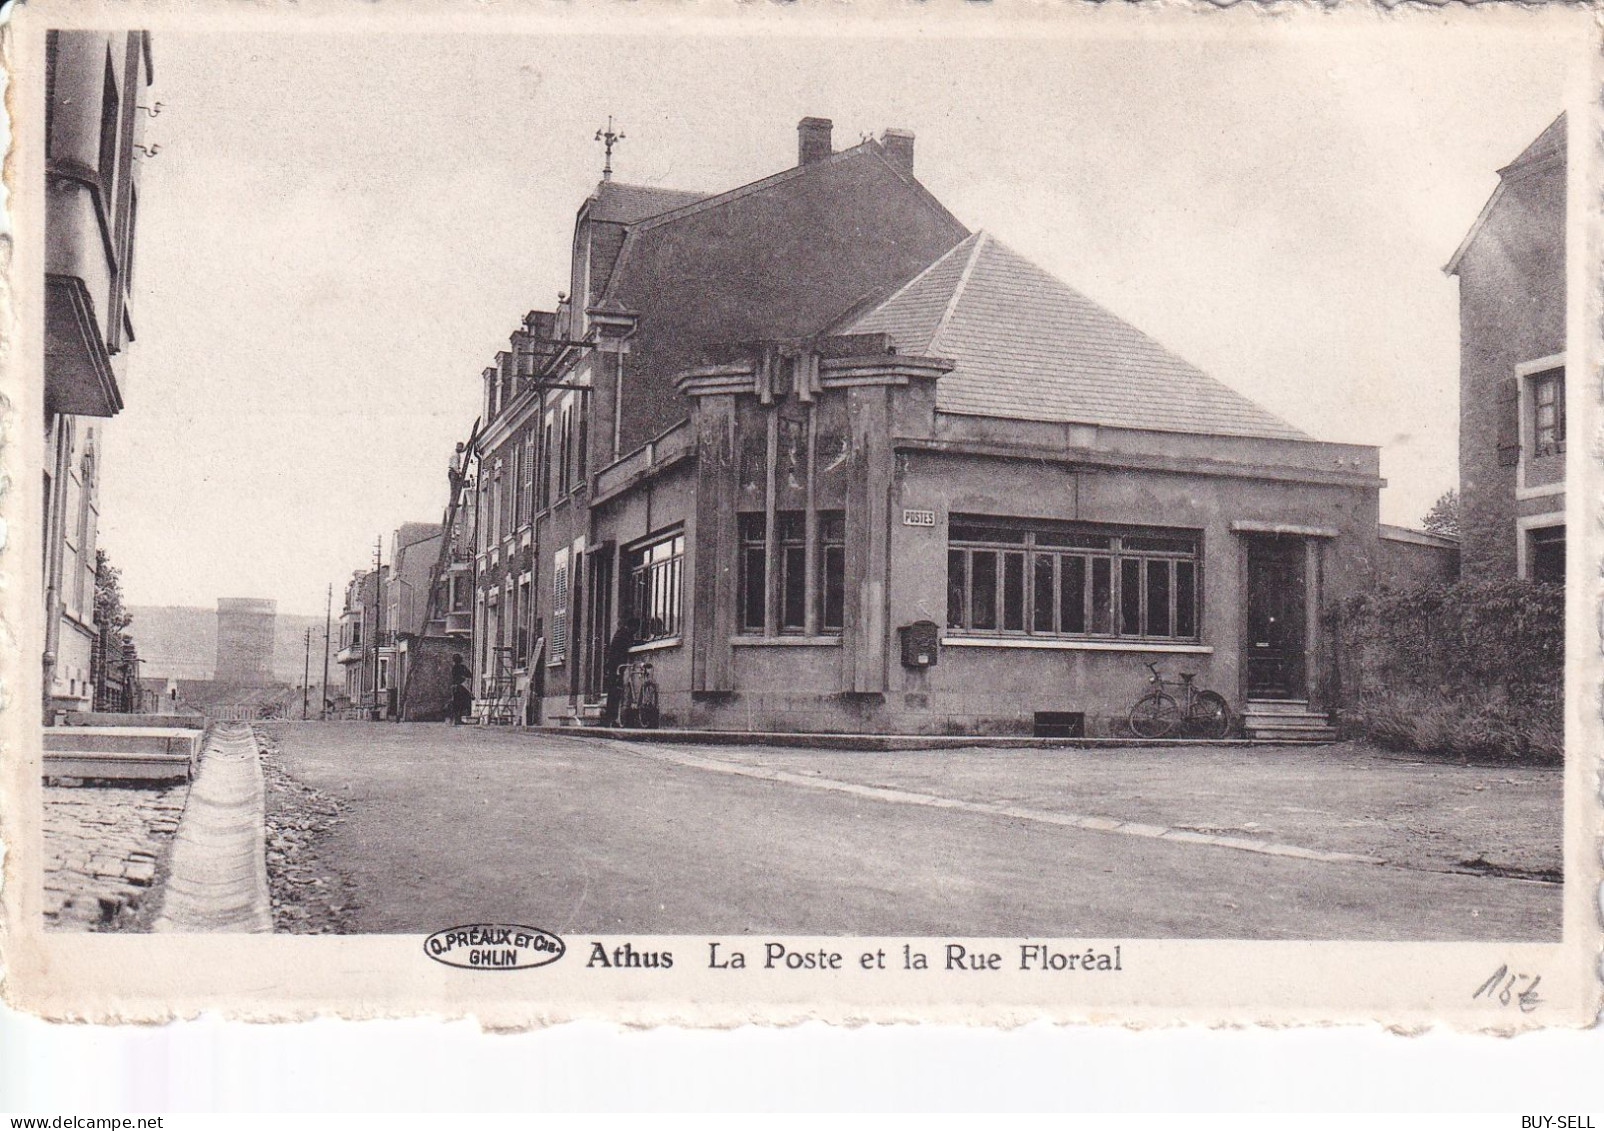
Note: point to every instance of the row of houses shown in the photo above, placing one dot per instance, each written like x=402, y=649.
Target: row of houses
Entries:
x=831, y=461
x=97, y=104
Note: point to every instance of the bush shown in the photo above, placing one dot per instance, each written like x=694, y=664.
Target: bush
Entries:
x=1473, y=669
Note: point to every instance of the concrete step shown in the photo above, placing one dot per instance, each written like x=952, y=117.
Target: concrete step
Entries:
x=1276, y=707
x=579, y=720
x=123, y=740
x=117, y=767
x=112, y=719
x=1287, y=721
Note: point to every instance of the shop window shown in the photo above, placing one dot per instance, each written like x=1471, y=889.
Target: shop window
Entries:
x=753, y=581
x=792, y=555
x=1012, y=577
x=1548, y=412
x=656, y=578
x=828, y=598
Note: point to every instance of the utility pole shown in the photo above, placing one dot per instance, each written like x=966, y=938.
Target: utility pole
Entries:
x=328, y=614
x=306, y=675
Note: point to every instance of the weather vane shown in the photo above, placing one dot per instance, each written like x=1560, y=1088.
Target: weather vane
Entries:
x=608, y=138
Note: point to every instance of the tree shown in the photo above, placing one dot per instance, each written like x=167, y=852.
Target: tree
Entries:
x=109, y=610
x=1443, y=517
x=109, y=658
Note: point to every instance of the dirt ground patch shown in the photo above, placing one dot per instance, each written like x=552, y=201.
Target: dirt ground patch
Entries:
x=310, y=895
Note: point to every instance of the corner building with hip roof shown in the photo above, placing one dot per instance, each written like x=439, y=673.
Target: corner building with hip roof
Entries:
x=847, y=466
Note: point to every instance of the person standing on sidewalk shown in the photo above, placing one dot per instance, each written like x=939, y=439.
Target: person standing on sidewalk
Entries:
x=616, y=656
x=461, y=697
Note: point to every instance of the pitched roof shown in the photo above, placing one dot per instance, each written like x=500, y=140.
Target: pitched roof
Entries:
x=410, y=533
x=698, y=204
x=775, y=259
x=1549, y=143
x=1030, y=347
x=627, y=204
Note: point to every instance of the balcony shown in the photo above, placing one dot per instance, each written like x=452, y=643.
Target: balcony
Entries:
x=78, y=373
x=459, y=623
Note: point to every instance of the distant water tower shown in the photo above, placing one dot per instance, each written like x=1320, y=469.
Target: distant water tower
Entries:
x=245, y=640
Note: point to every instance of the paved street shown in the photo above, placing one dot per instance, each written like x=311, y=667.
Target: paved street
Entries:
x=103, y=844
x=443, y=826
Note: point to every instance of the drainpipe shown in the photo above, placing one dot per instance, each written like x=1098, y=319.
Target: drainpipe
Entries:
x=53, y=528
x=618, y=400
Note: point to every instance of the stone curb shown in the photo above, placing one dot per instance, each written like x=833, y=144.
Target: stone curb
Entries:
x=217, y=880
x=898, y=742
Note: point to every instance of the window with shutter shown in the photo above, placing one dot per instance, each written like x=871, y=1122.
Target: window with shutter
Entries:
x=1548, y=413
x=559, y=607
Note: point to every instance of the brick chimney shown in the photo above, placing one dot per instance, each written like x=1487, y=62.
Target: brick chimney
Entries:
x=898, y=145
x=813, y=140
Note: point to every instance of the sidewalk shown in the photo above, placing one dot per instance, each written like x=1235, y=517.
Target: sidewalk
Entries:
x=102, y=848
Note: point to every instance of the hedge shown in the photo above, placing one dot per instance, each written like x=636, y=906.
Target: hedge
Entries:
x=1473, y=669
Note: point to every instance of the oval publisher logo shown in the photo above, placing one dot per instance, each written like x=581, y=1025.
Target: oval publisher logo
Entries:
x=494, y=946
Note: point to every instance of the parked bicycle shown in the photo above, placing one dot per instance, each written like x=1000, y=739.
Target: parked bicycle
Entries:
x=639, y=707
x=1158, y=714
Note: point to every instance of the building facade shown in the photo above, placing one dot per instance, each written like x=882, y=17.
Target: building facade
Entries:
x=357, y=654
x=95, y=102
x=840, y=464
x=414, y=555
x=656, y=274
x=1511, y=272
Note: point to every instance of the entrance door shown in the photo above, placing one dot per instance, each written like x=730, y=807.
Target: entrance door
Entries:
x=1275, y=661
x=600, y=587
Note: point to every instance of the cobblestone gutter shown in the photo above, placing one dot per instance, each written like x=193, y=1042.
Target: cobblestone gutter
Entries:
x=104, y=849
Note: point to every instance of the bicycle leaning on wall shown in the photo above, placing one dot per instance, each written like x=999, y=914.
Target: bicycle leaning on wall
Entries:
x=639, y=706
x=1158, y=714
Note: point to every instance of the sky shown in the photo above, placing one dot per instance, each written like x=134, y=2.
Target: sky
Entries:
x=338, y=233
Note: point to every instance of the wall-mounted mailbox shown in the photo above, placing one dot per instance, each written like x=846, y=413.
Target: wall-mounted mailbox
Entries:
x=921, y=642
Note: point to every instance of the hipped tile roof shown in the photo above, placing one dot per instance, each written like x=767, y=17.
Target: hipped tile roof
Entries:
x=1030, y=347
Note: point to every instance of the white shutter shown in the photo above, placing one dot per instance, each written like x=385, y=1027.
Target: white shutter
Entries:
x=559, y=606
